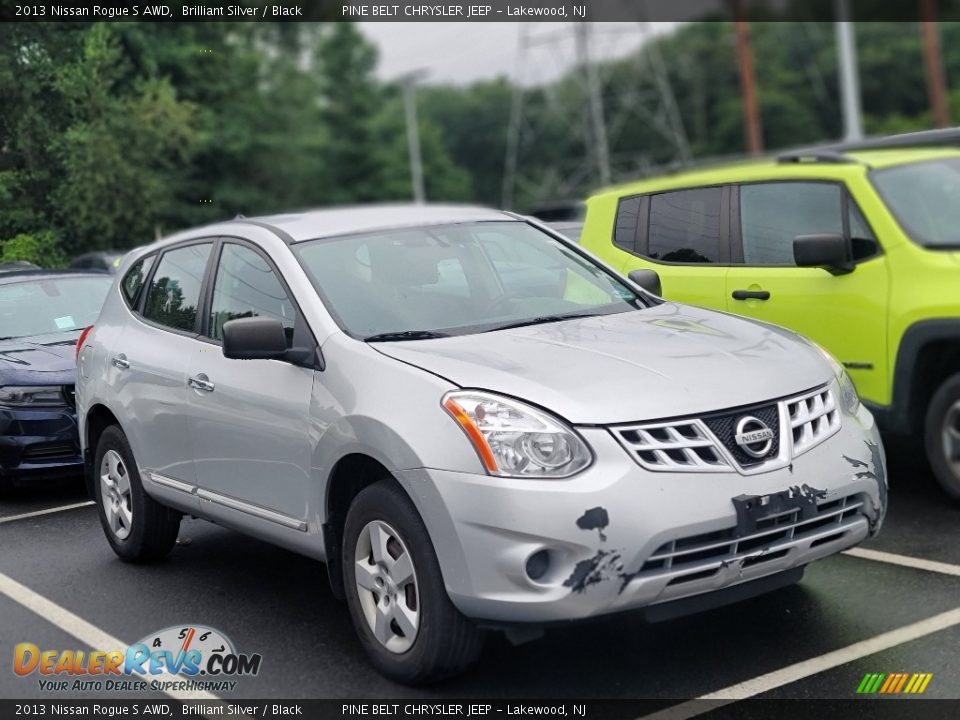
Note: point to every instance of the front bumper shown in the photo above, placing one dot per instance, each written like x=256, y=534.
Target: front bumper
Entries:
x=39, y=443
x=619, y=537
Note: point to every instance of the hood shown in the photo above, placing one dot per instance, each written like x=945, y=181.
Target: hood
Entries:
x=42, y=359
x=665, y=361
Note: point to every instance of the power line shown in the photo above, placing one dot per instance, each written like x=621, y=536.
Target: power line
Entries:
x=594, y=108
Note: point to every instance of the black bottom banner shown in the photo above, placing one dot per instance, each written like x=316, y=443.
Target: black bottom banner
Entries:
x=882, y=709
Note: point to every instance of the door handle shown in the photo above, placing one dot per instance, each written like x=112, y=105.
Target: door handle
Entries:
x=120, y=361
x=751, y=294
x=201, y=383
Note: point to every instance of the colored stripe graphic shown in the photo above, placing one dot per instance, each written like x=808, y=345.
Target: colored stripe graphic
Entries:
x=894, y=683
x=891, y=682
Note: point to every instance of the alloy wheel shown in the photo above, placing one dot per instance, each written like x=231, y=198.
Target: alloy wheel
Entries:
x=115, y=494
x=386, y=582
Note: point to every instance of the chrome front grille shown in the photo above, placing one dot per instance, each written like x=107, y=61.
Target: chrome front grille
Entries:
x=683, y=445
x=707, y=443
x=716, y=548
x=813, y=418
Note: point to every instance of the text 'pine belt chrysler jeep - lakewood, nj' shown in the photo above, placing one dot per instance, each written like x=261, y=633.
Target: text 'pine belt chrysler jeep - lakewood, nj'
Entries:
x=471, y=421
x=856, y=246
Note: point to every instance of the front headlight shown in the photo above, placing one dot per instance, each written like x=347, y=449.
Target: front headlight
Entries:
x=848, y=398
x=27, y=396
x=514, y=439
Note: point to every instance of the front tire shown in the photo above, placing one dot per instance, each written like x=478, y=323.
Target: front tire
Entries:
x=138, y=528
x=942, y=435
x=407, y=625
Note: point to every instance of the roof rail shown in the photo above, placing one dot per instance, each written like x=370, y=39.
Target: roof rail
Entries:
x=835, y=152
x=923, y=138
x=814, y=155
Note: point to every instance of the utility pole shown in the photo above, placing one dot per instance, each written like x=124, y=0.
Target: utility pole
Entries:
x=408, y=82
x=589, y=108
x=597, y=142
x=748, y=88
x=849, y=74
x=933, y=64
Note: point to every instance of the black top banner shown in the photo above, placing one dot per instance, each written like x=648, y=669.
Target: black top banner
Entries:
x=467, y=10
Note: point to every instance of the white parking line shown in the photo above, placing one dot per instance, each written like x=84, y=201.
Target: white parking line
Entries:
x=38, y=513
x=806, y=668
x=82, y=630
x=905, y=561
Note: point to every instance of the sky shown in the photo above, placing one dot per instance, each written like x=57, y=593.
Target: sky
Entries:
x=460, y=53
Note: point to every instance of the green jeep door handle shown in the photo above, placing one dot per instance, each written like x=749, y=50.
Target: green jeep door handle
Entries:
x=751, y=294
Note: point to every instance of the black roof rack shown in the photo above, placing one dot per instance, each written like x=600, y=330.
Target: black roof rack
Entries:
x=924, y=138
x=834, y=152
x=814, y=155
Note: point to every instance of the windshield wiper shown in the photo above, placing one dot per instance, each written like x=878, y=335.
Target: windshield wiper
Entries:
x=544, y=319
x=406, y=335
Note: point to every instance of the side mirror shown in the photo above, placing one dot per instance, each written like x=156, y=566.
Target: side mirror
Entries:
x=829, y=252
x=254, y=338
x=648, y=279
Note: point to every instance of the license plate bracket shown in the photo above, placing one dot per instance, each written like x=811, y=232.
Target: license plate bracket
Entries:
x=754, y=509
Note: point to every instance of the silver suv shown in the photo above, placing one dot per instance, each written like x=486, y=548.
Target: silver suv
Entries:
x=473, y=422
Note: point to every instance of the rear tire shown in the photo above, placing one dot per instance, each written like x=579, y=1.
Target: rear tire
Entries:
x=384, y=534
x=942, y=435
x=138, y=528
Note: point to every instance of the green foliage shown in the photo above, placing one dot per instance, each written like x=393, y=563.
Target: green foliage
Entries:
x=113, y=133
x=42, y=248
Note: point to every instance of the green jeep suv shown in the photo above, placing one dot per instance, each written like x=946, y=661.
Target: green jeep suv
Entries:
x=856, y=246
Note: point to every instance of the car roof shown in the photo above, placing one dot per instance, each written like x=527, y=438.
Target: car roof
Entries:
x=100, y=253
x=8, y=278
x=313, y=224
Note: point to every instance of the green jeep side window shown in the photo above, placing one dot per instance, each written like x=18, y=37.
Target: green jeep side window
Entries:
x=773, y=214
x=684, y=226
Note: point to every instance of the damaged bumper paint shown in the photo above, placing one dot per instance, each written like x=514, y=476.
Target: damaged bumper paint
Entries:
x=618, y=537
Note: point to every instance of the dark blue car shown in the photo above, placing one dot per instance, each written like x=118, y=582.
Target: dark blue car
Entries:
x=42, y=313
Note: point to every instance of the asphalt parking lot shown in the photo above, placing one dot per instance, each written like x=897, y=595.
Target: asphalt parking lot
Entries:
x=893, y=608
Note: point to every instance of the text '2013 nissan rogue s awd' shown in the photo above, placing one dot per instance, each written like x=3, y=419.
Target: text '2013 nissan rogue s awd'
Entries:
x=473, y=422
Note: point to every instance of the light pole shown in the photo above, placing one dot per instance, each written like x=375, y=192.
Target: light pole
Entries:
x=849, y=80
x=409, y=80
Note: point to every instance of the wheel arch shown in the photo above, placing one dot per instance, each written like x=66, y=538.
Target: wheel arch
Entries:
x=97, y=419
x=349, y=475
x=928, y=353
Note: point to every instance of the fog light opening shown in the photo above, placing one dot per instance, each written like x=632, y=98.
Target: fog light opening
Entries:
x=538, y=564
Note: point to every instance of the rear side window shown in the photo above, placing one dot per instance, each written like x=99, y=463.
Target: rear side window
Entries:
x=685, y=226
x=132, y=282
x=174, y=292
x=625, y=228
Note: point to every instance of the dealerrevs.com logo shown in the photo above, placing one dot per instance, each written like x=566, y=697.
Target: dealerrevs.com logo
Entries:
x=178, y=658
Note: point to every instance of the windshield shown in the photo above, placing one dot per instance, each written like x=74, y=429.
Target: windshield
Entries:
x=925, y=199
x=50, y=305
x=456, y=279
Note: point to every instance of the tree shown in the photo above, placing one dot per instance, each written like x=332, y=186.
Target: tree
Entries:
x=350, y=99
